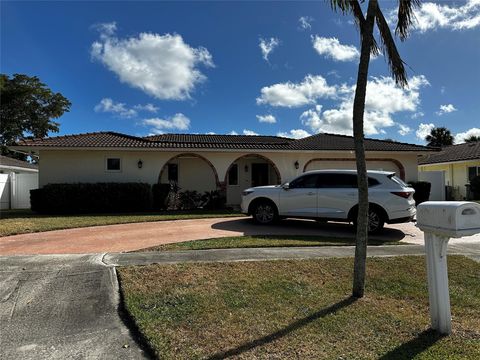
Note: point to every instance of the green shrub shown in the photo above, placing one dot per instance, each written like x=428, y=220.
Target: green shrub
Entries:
x=213, y=200
x=422, y=191
x=160, y=196
x=475, y=187
x=91, y=198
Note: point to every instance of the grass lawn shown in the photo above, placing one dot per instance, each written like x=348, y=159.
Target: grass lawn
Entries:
x=262, y=241
x=300, y=310
x=25, y=221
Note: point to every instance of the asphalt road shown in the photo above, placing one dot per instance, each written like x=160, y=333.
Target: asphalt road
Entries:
x=61, y=307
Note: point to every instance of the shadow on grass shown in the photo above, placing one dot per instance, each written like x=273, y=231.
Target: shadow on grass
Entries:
x=306, y=227
x=416, y=346
x=283, y=332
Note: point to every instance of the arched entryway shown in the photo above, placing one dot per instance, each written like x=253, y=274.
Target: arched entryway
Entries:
x=249, y=171
x=191, y=172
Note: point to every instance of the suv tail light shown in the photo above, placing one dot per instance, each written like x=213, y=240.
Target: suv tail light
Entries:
x=403, y=194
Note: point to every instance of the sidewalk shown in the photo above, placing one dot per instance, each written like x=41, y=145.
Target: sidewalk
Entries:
x=286, y=253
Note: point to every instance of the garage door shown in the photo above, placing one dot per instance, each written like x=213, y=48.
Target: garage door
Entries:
x=385, y=165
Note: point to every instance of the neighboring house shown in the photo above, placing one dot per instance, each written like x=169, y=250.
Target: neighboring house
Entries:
x=230, y=163
x=17, y=178
x=459, y=163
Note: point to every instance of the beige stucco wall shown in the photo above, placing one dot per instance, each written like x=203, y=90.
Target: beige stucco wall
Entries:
x=193, y=174
x=69, y=166
x=456, y=175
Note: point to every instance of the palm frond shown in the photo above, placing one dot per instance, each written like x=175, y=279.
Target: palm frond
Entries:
x=359, y=21
x=345, y=6
x=395, y=62
x=406, y=17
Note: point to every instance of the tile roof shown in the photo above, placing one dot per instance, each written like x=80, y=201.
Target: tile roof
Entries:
x=11, y=162
x=466, y=151
x=198, y=141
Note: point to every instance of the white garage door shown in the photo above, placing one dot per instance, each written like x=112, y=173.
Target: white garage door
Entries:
x=385, y=165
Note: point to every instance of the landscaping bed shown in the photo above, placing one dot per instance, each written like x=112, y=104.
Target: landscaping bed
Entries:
x=26, y=221
x=300, y=309
x=264, y=241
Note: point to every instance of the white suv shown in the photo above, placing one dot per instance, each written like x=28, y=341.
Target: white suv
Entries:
x=332, y=195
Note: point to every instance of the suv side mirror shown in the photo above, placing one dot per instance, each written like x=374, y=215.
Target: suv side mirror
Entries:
x=286, y=186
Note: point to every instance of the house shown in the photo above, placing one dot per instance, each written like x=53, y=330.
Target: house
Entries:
x=17, y=178
x=229, y=163
x=459, y=164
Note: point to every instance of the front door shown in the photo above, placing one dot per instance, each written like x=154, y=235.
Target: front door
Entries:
x=259, y=174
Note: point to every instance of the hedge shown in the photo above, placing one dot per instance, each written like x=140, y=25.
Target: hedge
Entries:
x=422, y=191
x=91, y=198
x=160, y=195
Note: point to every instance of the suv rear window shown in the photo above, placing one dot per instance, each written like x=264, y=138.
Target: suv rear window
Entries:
x=342, y=181
x=399, y=181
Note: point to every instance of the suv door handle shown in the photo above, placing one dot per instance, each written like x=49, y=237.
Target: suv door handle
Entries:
x=311, y=193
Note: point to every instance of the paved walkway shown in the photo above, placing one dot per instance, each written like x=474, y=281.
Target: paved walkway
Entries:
x=61, y=307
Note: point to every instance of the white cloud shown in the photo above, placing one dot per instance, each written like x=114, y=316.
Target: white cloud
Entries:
x=445, y=109
x=147, y=107
x=267, y=46
x=460, y=137
x=432, y=16
x=403, y=129
x=331, y=48
x=176, y=122
x=383, y=100
x=233, y=132
x=305, y=22
x=267, y=119
x=290, y=94
x=249, y=132
x=163, y=66
x=107, y=105
x=424, y=130
x=417, y=115
x=295, y=134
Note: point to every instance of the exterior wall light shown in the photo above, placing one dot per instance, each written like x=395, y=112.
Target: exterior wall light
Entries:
x=296, y=164
x=140, y=163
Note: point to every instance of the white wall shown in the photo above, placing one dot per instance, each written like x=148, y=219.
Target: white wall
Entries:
x=437, y=180
x=4, y=191
x=70, y=166
x=193, y=174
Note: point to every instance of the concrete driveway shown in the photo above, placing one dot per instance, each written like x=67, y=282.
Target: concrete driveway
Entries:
x=61, y=307
x=129, y=237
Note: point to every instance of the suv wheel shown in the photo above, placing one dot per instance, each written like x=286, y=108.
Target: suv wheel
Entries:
x=375, y=221
x=264, y=213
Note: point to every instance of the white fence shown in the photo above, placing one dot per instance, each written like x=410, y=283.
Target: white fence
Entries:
x=15, y=190
x=437, y=179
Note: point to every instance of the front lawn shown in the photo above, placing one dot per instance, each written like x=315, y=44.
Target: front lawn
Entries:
x=263, y=241
x=300, y=310
x=25, y=221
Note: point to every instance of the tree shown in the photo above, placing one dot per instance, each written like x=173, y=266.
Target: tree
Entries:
x=28, y=108
x=472, y=139
x=439, y=137
x=369, y=46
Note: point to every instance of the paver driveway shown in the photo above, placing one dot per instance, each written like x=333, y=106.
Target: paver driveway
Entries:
x=128, y=237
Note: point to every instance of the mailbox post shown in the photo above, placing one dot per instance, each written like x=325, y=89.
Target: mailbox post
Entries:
x=440, y=221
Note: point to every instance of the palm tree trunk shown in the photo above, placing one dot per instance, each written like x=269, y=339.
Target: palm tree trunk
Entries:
x=358, y=110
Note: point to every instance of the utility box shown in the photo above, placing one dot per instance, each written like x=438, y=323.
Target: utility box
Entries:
x=441, y=220
x=449, y=218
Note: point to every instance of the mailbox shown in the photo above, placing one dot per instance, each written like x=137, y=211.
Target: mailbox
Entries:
x=441, y=220
x=449, y=218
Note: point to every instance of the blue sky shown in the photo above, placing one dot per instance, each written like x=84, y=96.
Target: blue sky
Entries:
x=276, y=68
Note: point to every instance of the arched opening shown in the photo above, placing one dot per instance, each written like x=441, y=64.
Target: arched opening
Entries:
x=249, y=171
x=191, y=172
x=385, y=164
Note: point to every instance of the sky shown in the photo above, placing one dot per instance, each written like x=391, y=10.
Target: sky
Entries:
x=269, y=68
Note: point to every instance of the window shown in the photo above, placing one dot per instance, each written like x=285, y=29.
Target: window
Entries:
x=473, y=171
x=233, y=175
x=307, y=181
x=113, y=164
x=173, y=172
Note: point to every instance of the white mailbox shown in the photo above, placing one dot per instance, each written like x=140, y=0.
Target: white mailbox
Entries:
x=441, y=220
x=449, y=218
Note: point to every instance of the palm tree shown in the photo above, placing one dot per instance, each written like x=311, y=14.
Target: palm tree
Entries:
x=369, y=46
x=439, y=137
x=472, y=139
